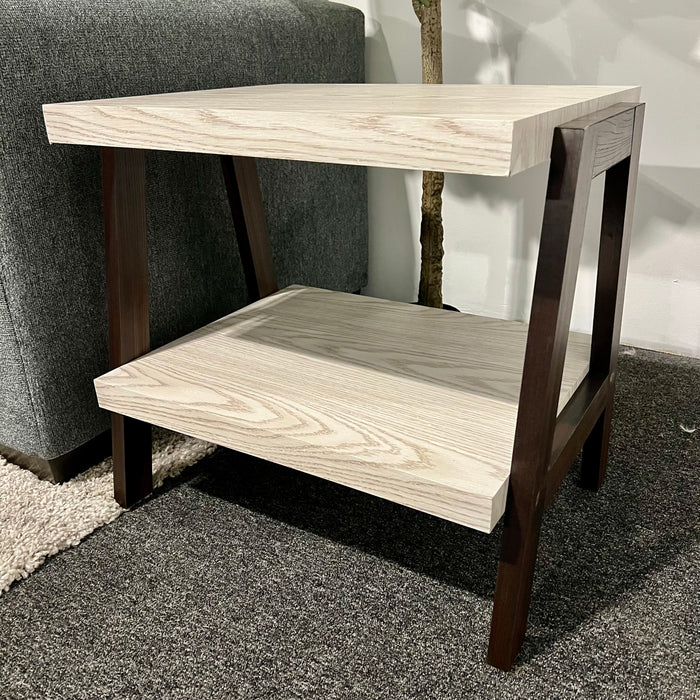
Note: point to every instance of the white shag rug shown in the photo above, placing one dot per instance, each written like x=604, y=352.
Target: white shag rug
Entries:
x=39, y=519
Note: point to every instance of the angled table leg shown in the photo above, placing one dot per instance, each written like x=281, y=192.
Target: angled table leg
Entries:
x=124, y=206
x=580, y=151
x=245, y=200
x=555, y=280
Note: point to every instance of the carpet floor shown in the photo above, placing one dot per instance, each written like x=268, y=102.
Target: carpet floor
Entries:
x=39, y=519
x=242, y=579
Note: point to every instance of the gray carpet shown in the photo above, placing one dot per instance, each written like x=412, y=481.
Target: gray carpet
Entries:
x=248, y=580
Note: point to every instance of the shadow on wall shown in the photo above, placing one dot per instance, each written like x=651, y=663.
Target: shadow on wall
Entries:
x=670, y=194
x=551, y=41
x=506, y=276
x=667, y=217
x=667, y=197
x=595, y=33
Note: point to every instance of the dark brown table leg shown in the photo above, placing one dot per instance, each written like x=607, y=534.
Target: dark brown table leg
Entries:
x=124, y=206
x=245, y=200
x=580, y=151
x=618, y=206
x=555, y=281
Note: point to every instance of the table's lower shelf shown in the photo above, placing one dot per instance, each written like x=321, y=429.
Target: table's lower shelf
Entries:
x=412, y=404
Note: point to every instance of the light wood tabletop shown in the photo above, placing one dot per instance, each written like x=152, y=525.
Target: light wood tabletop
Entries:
x=413, y=404
x=480, y=129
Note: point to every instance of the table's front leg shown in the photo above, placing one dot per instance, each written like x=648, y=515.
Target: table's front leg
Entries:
x=124, y=206
x=555, y=282
x=607, y=141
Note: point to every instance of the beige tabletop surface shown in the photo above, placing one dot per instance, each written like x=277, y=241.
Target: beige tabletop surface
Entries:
x=479, y=129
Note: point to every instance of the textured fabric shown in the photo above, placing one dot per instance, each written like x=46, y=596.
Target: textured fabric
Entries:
x=248, y=580
x=52, y=299
x=39, y=519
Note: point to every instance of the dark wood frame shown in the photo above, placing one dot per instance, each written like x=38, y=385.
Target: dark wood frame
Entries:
x=545, y=444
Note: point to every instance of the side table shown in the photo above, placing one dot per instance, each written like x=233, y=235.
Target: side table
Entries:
x=463, y=417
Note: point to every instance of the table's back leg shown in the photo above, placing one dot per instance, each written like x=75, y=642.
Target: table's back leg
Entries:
x=124, y=207
x=618, y=206
x=245, y=200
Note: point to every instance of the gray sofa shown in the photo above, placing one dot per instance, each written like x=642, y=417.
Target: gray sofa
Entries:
x=53, y=324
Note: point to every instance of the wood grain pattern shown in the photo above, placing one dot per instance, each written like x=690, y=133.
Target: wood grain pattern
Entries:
x=413, y=404
x=480, y=129
x=613, y=142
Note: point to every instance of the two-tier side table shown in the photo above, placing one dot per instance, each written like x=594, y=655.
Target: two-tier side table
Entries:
x=464, y=417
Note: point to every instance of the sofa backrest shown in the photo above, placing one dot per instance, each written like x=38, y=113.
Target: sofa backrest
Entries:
x=52, y=302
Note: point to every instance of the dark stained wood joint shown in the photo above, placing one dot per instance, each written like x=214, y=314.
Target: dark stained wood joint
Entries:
x=613, y=141
x=614, y=127
x=574, y=425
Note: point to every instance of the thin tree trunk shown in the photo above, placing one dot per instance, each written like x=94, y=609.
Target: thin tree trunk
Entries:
x=431, y=230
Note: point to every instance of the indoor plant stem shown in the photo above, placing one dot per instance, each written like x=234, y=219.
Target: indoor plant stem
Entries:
x=429, y=13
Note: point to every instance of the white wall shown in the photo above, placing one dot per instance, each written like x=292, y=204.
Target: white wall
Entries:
x=492, y=225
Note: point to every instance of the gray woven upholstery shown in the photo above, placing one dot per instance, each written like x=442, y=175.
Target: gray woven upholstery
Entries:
x=52, y=299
